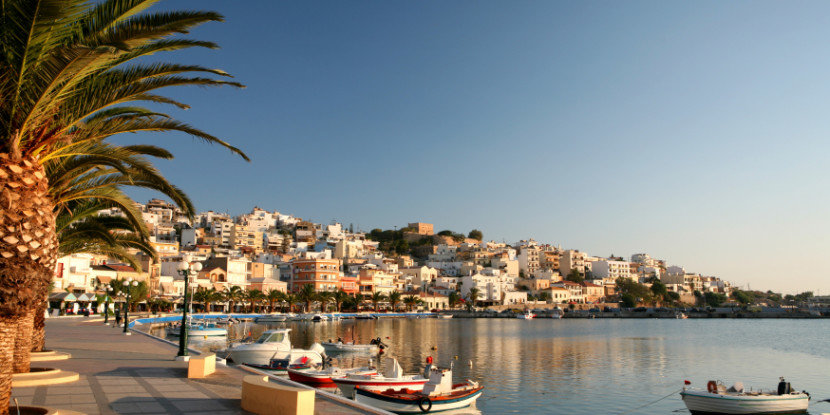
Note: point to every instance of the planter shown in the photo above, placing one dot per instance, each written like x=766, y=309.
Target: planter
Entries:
x=39, y=376
x=49, y=356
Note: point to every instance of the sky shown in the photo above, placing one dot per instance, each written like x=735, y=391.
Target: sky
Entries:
x=693, y=131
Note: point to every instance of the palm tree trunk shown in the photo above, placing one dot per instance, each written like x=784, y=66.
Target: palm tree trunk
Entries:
x=8, y=332
x=39, y=330
x=23, y=341
x=28, y=252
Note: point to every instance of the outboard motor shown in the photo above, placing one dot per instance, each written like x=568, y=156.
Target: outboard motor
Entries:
x=784, y=387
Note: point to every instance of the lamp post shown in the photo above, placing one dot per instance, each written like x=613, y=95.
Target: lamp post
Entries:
x=107, y=291
x=127, y=284
x=186, y=268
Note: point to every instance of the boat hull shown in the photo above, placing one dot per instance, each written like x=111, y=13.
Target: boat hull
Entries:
x=712, y=403
x=349, y=348
x=415, y=405
x=347, y=385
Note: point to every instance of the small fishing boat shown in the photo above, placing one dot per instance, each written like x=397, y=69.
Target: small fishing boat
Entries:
x=392, y=377
x=445, y=316
x=527, y=315
x=717, y=399
x=294, y=361
x=364, y=316
x=350, y=347
x=272, y=344
x=272, y=318
x=319, y=317
x=438, y=394
x=557, y=313
x=680, y=315
x=201, y=328
x=322, y=378
x=227, y=320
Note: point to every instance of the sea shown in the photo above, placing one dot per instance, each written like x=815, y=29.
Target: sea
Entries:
x=588, y=366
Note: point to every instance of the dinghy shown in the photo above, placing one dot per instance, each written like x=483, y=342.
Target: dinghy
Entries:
x=392, y=377
x=717, y=399
x=439, y=394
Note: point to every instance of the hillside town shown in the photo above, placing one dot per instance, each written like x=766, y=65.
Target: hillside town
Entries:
x=271, y=251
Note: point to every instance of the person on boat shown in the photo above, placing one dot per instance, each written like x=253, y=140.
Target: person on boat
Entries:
x=340, y=340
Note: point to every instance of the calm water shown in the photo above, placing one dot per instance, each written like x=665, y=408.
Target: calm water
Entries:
x=600, y=366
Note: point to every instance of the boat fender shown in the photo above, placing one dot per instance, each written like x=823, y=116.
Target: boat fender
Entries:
x=424, y=404
x=712, y=386
x=429, y=360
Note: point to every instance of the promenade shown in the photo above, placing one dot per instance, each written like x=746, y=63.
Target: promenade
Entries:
x=136, y=375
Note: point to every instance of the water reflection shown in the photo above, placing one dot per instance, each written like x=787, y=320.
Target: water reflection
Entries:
x=586, y=366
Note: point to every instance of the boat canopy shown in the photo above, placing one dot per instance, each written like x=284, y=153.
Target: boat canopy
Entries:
x=272, y=336
x=393, y=369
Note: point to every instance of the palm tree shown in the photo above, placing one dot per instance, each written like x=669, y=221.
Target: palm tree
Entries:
x=290, y=300
x=454, y=299
x=472, y=297
x=394, y=298
x=68, y=79
x=255, y=296
x=307, y=295
x=412, y=301
x=339, y=297
x=324, y=298
x=232, y=295
x=274, y=296
x=376, y=298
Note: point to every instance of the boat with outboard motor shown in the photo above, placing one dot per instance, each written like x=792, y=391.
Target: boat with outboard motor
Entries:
x=375, y=346
x=198, y=328
x=527, y=315
x=323, y=378
x=717, y=399
x=392, y=377
x=438, y=394
x=272, y=318
x=297, y=361
x=272, y=344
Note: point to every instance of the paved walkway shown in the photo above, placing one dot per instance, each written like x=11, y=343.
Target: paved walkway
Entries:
x=135, y=375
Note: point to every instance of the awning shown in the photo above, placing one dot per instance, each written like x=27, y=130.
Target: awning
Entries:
x=62, y=297
x=87, y=297
x=104, y=280
x=168, y=288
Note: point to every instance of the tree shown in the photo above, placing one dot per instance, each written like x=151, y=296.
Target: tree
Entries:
x=742, y=297
x=394, y=298
x=453, y=299
x=255, y=297
x=472, y=297
x=66, y=87
x=324, y=298
x=412, y=301
x=628, y=300
x=658, y=290
x=714, y=299
x=233, y=294
x=544, y=296
x=290, y=299
x=274, y=296
x=475, y=234
x=575, y=276
x=673, y=297
x=376, y=298
x=339, y=297
x=307, y=295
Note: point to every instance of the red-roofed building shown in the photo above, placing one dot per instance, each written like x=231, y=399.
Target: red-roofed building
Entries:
x=592, y=293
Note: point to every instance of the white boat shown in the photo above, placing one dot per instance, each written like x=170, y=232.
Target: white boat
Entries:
x=273, y=344
x=198, y=329
x=716, y=398
x=271, y=318
x=445, y=316
x=557, y=313
x=392, y=377
x=680, y=315
x=319, y=317
x=527, y=315
x=350, y=347
x=323, y=378
x=438, y=394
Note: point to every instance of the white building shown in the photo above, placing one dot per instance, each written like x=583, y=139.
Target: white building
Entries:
x=605, y=268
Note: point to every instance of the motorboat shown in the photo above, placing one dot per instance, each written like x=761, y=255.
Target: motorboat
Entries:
x=322, y=378
x=557, y=313
x=438, y=394
x=201, y=328
x=272, y=344
x=227, y=320
x=271, y=318
x=527, y=315
x=680, y=315
x=374, y=346
x=319, y=317
x=392, y=377
x=295, y=361
x=716, y=398
x=445, y=316
x=365, y=316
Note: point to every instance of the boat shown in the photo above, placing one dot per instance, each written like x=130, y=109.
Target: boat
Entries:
x=272, y=318
x=374, y=346
x=295, y=361
x=392, y=377
x=445, y=316
x=227, y=320
x=322, y=378
x=716, y=398
x=201, y=328
x=363, y=316
x=557, y=313
x=680, y=315
x=319, y=317
x=272, y=344
x=438, y=394
x=527, y=315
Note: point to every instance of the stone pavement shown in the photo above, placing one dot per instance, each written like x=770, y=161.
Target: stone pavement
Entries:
x=135, y=375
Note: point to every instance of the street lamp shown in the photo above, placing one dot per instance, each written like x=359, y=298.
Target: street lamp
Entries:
x=107, y=290
x=186, y=268
x=127, y=288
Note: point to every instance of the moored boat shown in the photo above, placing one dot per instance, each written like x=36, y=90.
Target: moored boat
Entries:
x=295, y=361
x=271, y=318
x=438, y=394
x=272, y=344
x=717, y=399
x=323, y=378
x=196, y=329
x=349, y=347
x=392, y=377
x=445, y=316
x=527, y=315
x=319, y=317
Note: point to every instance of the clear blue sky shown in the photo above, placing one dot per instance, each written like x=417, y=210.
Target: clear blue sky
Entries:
x=694, y=131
